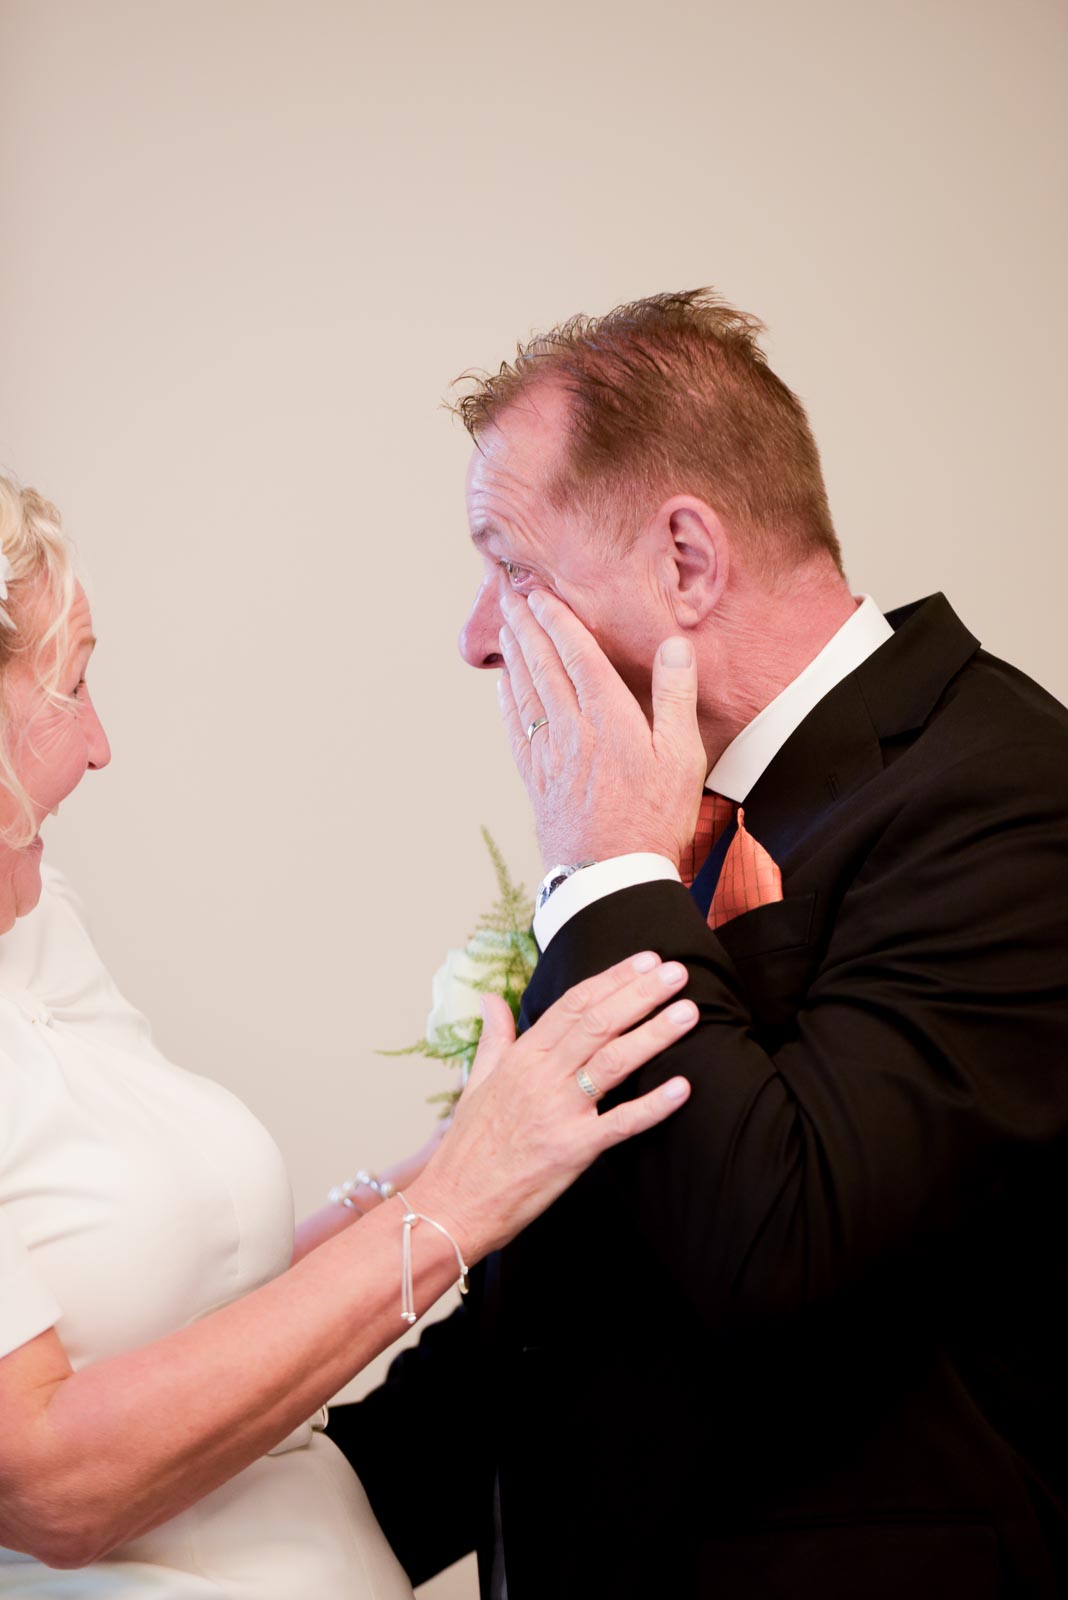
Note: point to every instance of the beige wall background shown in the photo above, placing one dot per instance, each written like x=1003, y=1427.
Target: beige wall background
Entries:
x=247, y=245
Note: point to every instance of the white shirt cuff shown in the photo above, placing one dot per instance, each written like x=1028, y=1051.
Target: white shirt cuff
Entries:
x=593, y=883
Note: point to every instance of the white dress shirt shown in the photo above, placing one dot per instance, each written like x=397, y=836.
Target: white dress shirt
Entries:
x=738, y=768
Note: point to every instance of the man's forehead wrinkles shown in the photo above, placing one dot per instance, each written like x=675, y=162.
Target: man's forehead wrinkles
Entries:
x=503, y=504
x=500, y=480
x=510, y=537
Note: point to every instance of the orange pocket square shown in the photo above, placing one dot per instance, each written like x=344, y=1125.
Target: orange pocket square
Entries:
x=749, y=878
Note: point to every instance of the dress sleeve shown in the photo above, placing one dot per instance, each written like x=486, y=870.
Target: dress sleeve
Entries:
x=27, y=1305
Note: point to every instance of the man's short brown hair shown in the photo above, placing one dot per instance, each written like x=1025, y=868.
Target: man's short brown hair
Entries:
x=673, y=395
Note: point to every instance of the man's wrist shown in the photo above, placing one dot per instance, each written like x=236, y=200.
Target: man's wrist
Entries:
x=555, y=877
x=594, y=883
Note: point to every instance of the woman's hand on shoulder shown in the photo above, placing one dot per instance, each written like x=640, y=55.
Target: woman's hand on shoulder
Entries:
x=525, y=1127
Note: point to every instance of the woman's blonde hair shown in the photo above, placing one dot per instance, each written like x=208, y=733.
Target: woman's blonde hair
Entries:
x=40, y=582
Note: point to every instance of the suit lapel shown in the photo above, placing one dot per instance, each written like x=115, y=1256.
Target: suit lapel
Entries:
x=833, y=753
x=839, y=746
x=904, y=680
x=829, y=757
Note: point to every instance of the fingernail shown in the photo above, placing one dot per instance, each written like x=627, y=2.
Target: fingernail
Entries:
x=536, y=601
x=671, y=972
x=676, y=653
x=505, y=637
x=676, y=1089
x=682, y=1011
x=645, y=962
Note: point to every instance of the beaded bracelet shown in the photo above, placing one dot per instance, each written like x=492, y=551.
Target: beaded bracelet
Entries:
x=341, y=1194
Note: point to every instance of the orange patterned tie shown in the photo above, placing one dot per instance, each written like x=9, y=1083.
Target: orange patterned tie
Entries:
x=748, y=878
x=716, y=812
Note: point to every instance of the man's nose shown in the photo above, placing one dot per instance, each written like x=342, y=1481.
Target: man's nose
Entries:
x=478, y=641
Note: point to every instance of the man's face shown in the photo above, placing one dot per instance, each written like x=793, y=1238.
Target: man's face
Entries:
x=526, y=544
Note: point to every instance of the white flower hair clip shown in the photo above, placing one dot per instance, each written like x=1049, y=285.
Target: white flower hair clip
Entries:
x=6, y=571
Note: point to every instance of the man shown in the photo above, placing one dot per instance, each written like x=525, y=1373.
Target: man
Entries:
x=807, y=1338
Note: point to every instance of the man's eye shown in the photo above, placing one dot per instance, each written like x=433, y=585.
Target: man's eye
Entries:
x=516, y=575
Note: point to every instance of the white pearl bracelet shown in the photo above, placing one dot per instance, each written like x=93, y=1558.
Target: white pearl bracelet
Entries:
x=341, y=1194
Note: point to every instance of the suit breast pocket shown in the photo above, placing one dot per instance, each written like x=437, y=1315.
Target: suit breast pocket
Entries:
x=775, y=950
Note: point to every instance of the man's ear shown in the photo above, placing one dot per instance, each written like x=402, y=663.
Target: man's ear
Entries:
x=694, y=549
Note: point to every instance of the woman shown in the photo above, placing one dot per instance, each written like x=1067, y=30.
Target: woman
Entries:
x=162, y=1343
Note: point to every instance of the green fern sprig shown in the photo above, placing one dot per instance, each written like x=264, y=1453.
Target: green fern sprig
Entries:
x=503, y=948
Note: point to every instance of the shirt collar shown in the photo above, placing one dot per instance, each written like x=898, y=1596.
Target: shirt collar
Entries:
x=760, y=741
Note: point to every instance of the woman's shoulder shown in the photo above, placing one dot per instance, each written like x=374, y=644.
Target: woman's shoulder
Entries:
x=51, y=969
x=49, y=949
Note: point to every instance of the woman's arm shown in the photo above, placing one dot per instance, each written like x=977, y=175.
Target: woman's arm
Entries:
x=95, y=1458
x=332, y=1219
x=89, y=1460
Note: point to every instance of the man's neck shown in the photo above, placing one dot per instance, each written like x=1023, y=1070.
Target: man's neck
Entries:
x=759, y=641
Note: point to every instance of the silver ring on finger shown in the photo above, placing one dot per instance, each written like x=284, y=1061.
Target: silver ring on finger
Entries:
x=587, y=1085
x=539, y=722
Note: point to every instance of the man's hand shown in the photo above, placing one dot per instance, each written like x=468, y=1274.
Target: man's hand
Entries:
x=601, y=781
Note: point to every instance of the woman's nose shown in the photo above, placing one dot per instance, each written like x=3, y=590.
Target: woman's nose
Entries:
x=96, y=740
x=478, y=636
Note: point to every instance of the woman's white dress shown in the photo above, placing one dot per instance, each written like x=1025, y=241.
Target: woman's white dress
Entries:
x=134, y=1199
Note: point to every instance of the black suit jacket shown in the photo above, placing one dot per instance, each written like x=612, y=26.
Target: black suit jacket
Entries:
x=807, y=1338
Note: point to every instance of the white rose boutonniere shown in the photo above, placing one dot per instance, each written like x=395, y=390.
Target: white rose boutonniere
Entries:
x=499, y=958
x=453, y=996
x=457, y=984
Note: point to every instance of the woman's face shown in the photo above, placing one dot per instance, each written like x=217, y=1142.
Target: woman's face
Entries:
x=51, y=748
